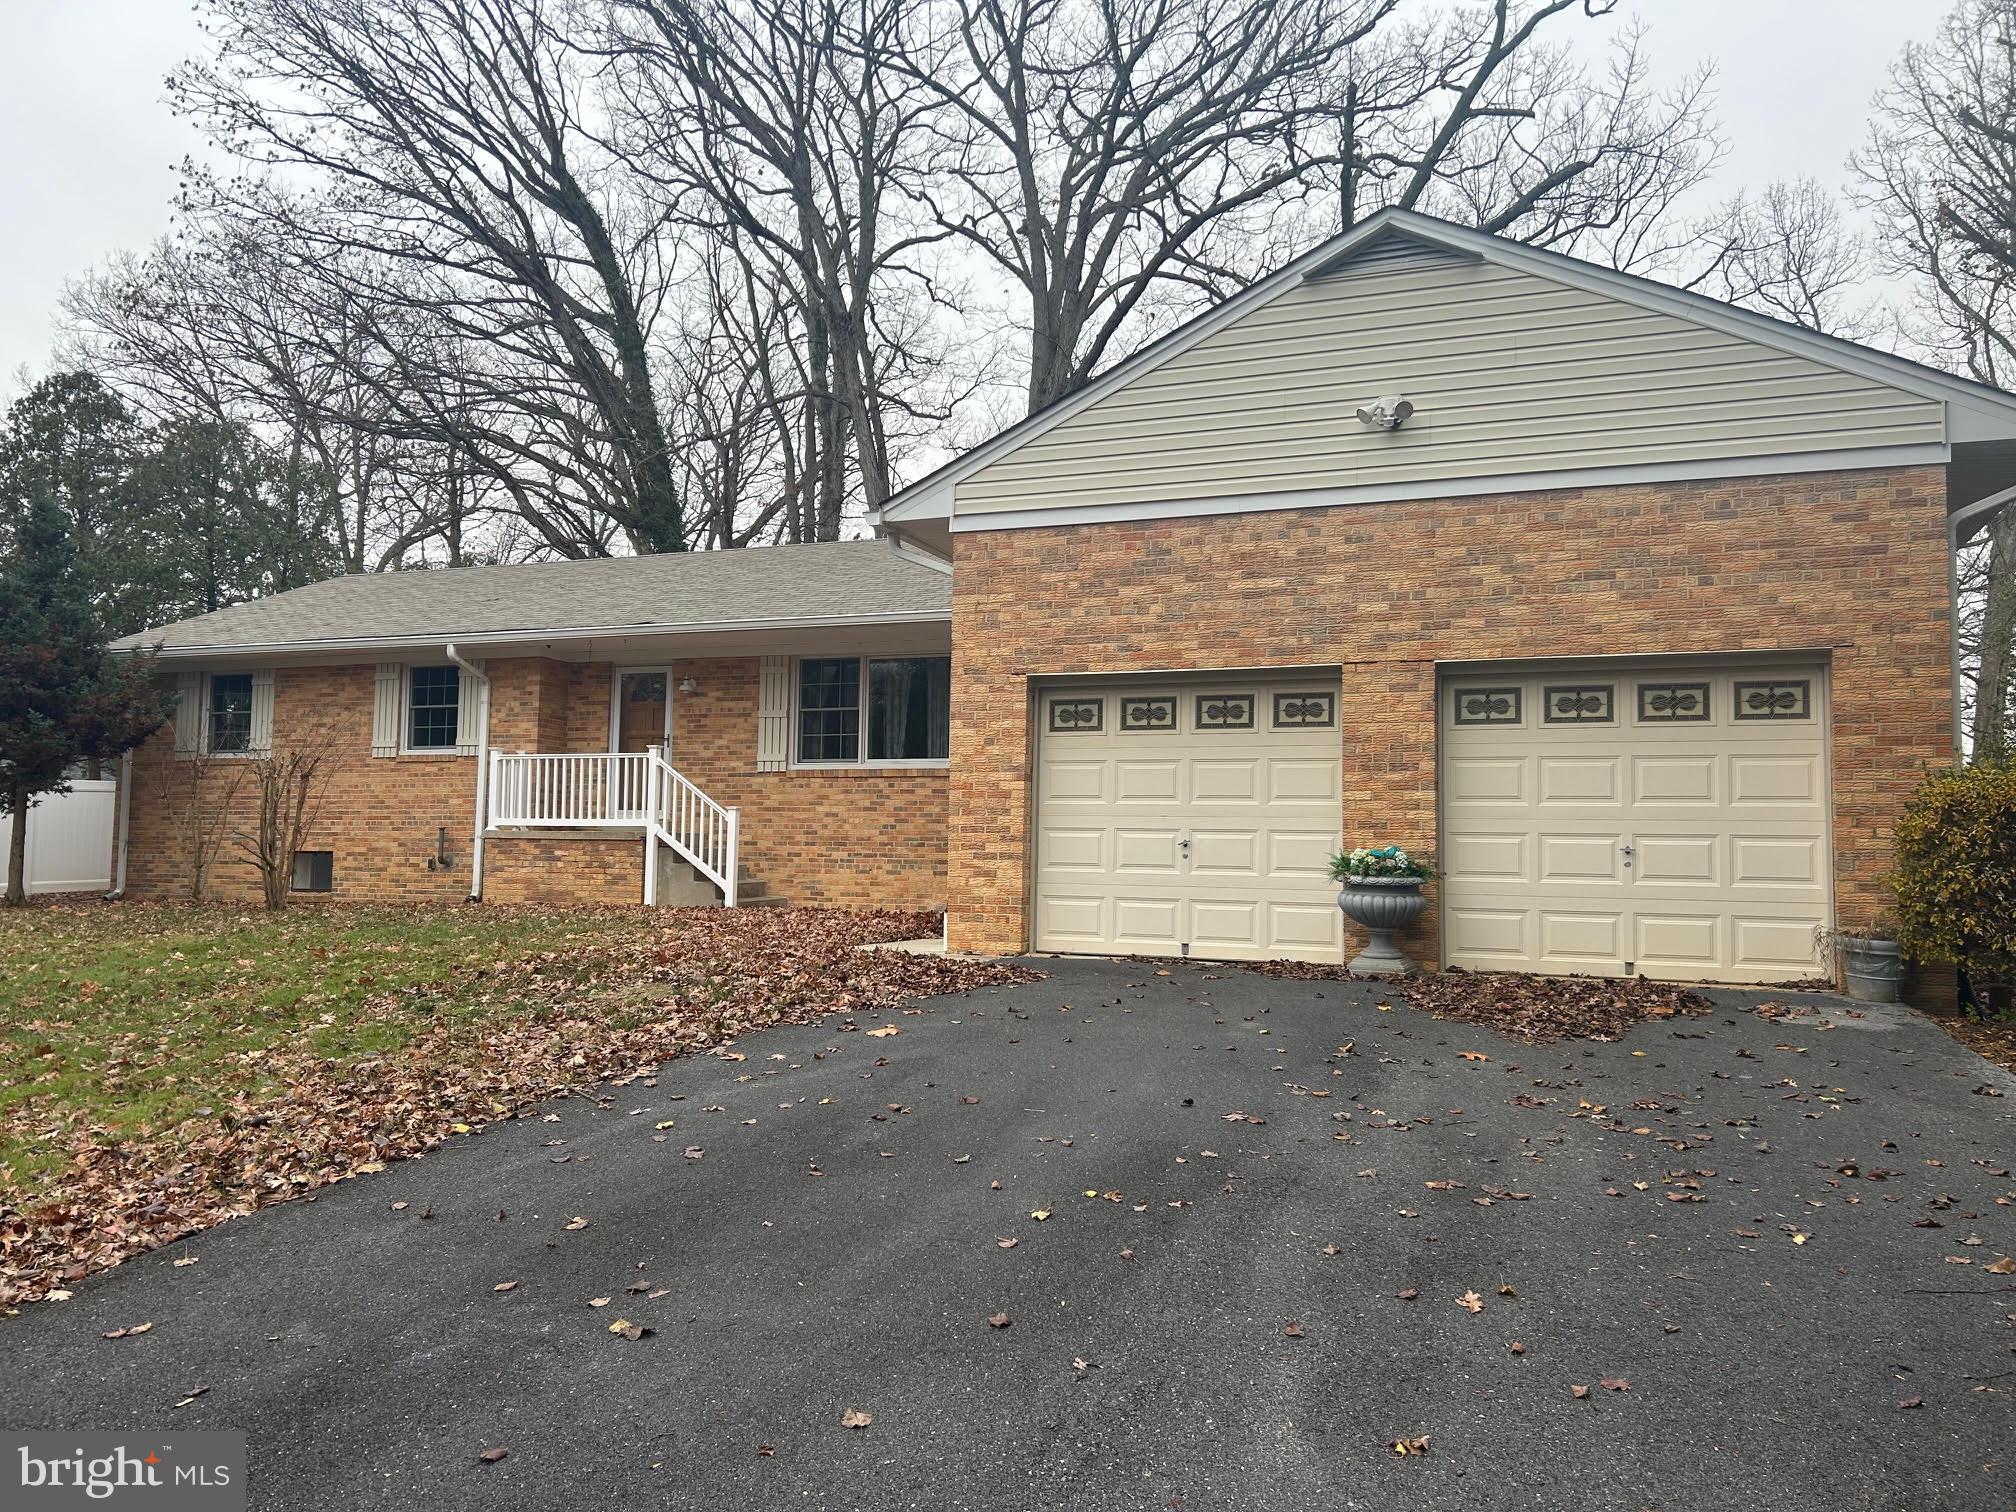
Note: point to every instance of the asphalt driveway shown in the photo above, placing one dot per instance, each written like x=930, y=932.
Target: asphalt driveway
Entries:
x=822, y=1227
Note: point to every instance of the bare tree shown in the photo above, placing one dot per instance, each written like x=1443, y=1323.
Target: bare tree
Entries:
x=788, y=133
x=457, y=150
x=1125, y=161
x=1485, y=119
x=287, y=792
x=1938, y=174
x=1786, y=253
x=198, y=794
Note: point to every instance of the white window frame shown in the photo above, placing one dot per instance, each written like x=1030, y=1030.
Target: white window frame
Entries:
x=406, y=746
x=616, y=676
x=861, y=763
x=203, y=728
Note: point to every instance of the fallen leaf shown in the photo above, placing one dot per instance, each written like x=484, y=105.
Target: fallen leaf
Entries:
x=1470, y=1302
x=1616, y=1383
x=504, y=1286
x=1406, y=1446
x=1516, y=1347
x=2003, y=1265
x=1040, y=1214
x=575, y=1225
x=130, y=1331
x=1578, y=1392
x=854, y=1417
x=883, y=1033
x=193, y=1259
x=629, y=1330
x=1408, y=1295
x=1905, y=1404
x=999, y=1320
x=1293, y=1330
x=491, y=1455
x=598, y=1301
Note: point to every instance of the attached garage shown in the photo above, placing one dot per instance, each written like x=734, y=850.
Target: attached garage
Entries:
x=1665, y=818
x=1187, y=817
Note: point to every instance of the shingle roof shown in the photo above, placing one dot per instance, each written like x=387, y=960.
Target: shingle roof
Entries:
x=828, y=581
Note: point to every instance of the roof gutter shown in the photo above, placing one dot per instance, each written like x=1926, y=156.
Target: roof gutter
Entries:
x=425, y=642
x=470, y=669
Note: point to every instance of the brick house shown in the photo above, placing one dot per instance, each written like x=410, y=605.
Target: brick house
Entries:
x=1632, y=608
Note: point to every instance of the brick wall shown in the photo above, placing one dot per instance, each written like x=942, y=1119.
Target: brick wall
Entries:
x=837, y=838
x=843, y=838
x=379, y=815
x=1853, y=563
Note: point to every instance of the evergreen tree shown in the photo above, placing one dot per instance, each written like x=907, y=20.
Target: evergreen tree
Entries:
x=63, y=698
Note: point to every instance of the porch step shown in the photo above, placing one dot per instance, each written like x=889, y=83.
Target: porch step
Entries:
x=680, y=885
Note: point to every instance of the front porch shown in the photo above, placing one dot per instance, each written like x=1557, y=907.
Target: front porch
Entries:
x=712, y=801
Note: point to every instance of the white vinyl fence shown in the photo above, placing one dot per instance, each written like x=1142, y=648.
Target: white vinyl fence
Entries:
x=69, y=839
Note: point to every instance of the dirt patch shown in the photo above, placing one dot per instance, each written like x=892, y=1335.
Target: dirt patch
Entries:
x=1993, y=1040
x=1531, y=1008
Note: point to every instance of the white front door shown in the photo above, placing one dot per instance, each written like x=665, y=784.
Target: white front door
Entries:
x=1192, y=817
x=1668, y=821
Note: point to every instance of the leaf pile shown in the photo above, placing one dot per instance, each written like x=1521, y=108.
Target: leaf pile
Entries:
x=1530, y=1008
x=614, y=1000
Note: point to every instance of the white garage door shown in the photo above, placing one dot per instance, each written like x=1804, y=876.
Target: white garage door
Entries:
x=1672, y=822
x=1189, y=818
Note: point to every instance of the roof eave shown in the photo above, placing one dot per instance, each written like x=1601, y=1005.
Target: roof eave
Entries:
x=480, y=640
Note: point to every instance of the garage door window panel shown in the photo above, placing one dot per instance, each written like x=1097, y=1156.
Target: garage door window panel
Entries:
x=1489, y=706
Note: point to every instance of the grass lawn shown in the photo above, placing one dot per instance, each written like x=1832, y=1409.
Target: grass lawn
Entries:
x=132, y=1019
x=164, y=1067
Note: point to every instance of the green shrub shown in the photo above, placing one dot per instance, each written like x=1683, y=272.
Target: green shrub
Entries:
x=1956, y=871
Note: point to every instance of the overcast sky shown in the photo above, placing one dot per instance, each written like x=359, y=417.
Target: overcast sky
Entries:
x=87, y=148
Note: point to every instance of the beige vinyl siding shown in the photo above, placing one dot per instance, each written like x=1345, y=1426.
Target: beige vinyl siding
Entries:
x=1510, y=373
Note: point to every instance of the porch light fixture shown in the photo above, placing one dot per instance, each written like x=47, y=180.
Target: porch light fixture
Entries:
x=687, y=685
x=1388, y=412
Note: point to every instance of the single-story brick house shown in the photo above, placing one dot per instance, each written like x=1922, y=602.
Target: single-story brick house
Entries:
x=1632, y=608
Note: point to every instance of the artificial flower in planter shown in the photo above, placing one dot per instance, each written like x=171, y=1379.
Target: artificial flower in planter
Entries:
x=1381, y=893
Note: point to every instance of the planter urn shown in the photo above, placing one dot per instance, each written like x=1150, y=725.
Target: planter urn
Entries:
x=1381, y=905
x=1872, y=969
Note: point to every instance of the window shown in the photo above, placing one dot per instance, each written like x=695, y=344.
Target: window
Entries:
x=228, y=725
x=1487, y=706
x=829, y=709
x=910, y=709
x=312, y=870
x=901, y=705
x=433, y=695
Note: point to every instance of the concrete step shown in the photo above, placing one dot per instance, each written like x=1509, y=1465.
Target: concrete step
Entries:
x=680, y=885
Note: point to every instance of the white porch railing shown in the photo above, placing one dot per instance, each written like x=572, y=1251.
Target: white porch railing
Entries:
x=569, y=792
x=620, y=789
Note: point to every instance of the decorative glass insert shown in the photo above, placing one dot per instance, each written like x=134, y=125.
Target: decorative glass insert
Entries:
x=1071, y=716
x=1224, y=711
x=1585, y=703
x=644, y=687
x=1148, y=713
x=314, y=871
x=1673, y=703
x=1487, y=706
x=433, y=695
x=1305, y=711
x=910, y=708
x=230, y=712
x=1792, y=699
x=829, y=708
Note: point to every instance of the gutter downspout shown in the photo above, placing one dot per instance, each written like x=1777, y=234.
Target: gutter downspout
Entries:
x=470, y=669
x=1966, y=515
x=123, y=828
